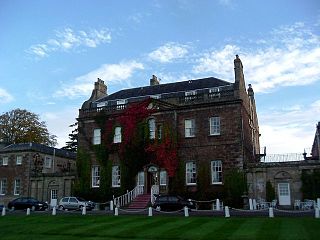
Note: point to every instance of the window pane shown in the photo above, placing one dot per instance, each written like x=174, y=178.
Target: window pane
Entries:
x=191, y=173
x=116, y=176
x=216, y=171
x=95, y=176
x=117, y=135
x=189, y=128
x=215, y=126
x=152, y=129
x=163, y=178
x=3, y=186
x=47, y=162
x=141, y=179
x=17, y=186
x=19, y=160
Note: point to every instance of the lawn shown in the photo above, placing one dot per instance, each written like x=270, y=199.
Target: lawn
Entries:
x=66, y=227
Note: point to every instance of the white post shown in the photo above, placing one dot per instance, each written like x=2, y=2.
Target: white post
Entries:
x=271, y=215
x=28, y=211
x=254, y=202
x=318, y=202
x=186, y=211
x=218, y=204
x=3, y=211
x=150, y=212
x=226, y=212
x=116, y=211
x=84, y=210
x=54, y=211
x=250, y=204
x=111, y=205
x=316, y=213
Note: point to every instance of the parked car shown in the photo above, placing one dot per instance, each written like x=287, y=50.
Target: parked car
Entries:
x=27, y=202
x=75, y=203
x=172, y=203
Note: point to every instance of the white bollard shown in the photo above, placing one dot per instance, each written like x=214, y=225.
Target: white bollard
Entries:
x=254, y=203
x=111, y=205
x=28, y=211
x=3, y=211
x=84, y=210
x=318, y=202
x=54, y=211
x=316, y=212
x=116, y=211
x=271, y=215
x=186, y=211
x=217, y=204
x=150, y=212
x=226, y=212
x=250, y=204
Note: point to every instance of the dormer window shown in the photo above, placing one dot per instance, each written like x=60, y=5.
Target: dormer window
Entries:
x=214, y=92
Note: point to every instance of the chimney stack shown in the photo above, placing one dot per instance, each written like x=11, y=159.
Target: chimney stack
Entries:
x=154, y=80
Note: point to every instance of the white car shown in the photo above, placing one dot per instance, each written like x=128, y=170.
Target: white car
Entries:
x=75, y=203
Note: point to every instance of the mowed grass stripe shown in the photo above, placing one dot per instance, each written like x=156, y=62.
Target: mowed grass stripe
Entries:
x=249, y=229
x=292, y=229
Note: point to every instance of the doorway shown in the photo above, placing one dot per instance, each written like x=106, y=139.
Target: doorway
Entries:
x=284, y=194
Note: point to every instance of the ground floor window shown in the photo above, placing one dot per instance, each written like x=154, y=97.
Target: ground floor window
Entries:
x=17, y=187
x=191, y=173
x=3, y=186
x=216, y=172
x=163, y=178
x=140, y=179
x=95, y=176
x=116, y=176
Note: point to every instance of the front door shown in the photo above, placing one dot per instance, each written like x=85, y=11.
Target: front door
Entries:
x=54, y=197
x=284, y=194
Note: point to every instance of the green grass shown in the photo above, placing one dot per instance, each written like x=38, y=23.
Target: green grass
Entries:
x=157, y=227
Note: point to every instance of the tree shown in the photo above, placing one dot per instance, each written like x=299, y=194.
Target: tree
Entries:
x=72, y=145
x=21, y=126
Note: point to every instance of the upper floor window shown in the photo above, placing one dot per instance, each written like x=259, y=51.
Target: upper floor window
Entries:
x=95, y=176
x=4, y=161
x=163, y=178
x=3, y=186
x=152, y=128
x=216, y=172
x=117, y=135
x=214, y=125
x=96, y=136
x=191, y=173
x=17, y=187
x=190, y=95
x=159, y=131
x=189, y=128
x=116, y=178
x=121, y=103
x=19, y=160
x=47, y=162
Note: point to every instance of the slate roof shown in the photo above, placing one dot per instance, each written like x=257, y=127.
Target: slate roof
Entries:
x=183, y=86
x=35, y=147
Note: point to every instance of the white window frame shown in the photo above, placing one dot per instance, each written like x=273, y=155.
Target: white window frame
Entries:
x=190, y=95
x=189, y=128
x=18, y=160
x=48, y=162
x=120, y=103
x=214, y=92
x=216, y=172
x=191, y=173
x=5, y=161
x=96, y=140
x=117, y=135
x=215, y=126
x=17, y=187
x=95, y=176
x=163, y=178
x=140, y=180
x=3, y=186
x=116, y=176
x=152, y=128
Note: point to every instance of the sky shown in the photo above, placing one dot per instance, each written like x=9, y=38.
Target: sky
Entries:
x=52, y=52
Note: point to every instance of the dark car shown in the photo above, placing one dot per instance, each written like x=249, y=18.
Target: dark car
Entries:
x=27, y=202
x=172, y=203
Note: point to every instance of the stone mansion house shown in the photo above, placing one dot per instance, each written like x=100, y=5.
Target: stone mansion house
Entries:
x=179, y=137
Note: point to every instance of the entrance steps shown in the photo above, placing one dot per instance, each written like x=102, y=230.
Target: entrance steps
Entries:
x=140, y=202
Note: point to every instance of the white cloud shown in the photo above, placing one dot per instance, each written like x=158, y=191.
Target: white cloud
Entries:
x=289, y=130
x=289, y=58
x=5, y=97
x=169, y=52
x=110, y=73
x=69, y=39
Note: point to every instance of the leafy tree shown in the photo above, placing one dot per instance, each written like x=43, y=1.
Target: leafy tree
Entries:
x=270, y=192
x=72, y=145
x=235, y=186
x=20, y=126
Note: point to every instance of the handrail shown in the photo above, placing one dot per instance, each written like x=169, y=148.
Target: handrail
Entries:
x=126, y=198
x=154, y=190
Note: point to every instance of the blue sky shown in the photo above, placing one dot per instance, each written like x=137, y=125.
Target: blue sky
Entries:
x=51, y=53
